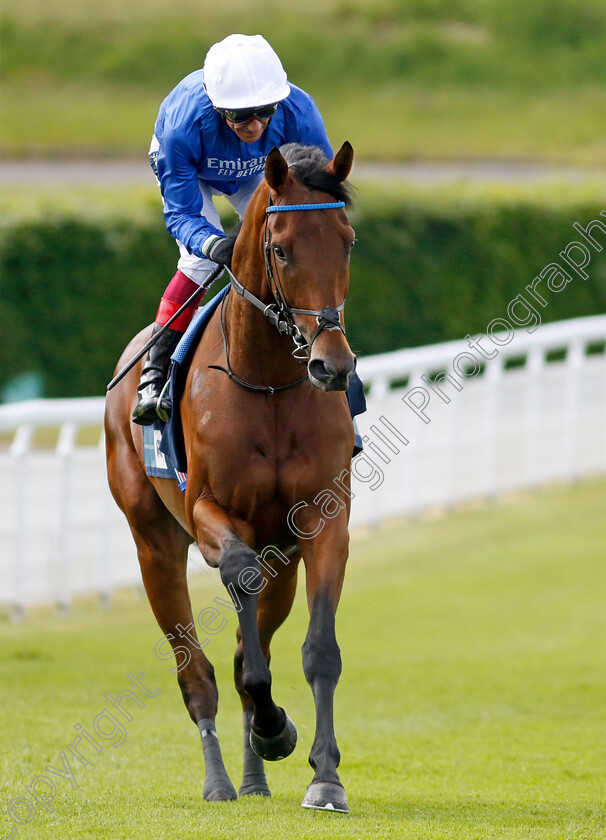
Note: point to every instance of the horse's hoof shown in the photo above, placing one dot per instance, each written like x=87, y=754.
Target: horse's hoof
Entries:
x=254, y=790
x=326, y=796
x=219, y=791
x=278, y=746
x=220, y=795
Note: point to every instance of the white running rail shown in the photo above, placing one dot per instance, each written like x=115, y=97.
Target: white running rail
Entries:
x=440, y=429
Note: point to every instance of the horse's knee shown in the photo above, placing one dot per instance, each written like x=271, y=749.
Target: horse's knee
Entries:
x=240, y=569
x=321, y=660
x=321, y=653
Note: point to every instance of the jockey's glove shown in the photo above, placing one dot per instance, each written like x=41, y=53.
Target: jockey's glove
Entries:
x=221, y=250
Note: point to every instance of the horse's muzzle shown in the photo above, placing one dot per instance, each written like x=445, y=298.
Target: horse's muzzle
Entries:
x=326, y=376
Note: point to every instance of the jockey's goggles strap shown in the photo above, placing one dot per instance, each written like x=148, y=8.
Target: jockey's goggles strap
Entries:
x=283, y=208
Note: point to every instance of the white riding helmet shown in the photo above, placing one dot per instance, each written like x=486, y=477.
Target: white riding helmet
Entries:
x=243, y=71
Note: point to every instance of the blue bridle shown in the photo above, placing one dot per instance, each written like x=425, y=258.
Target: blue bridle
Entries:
x=283, y=208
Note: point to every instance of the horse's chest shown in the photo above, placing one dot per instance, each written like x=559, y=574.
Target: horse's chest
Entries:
x=268, y=472
x=263, y=476
x=257, y=461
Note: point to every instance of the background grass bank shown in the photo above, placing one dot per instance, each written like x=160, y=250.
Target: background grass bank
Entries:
x=414, y=78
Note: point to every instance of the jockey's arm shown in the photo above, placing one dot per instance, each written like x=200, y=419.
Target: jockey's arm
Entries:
x=181, y=194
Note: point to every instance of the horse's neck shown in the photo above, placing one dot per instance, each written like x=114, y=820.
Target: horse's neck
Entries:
x=258, y=353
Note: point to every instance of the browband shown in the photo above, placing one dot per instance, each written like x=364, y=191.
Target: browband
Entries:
x=283, y=208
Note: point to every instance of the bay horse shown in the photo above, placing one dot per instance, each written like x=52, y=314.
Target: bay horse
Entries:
x=264, y=446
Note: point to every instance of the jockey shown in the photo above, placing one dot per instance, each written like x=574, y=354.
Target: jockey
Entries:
x=212, y=136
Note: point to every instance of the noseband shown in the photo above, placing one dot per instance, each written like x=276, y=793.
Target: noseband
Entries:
x=279, y=312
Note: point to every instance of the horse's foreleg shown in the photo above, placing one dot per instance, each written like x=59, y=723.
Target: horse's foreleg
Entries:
x=325, y=560
x=273, y=735
x=275, y=602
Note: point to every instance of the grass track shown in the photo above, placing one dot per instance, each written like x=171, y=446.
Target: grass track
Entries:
x=471, y=703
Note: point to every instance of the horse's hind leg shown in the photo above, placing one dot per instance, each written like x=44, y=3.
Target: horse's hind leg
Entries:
x=164, y=574
x=275, y=602
x=162, y=549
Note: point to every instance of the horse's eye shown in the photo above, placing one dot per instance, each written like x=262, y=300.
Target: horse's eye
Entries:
x=279, y=252
x=353, y=242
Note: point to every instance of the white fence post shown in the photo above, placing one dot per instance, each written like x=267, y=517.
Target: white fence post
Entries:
x=19, y=452
x=65, y=450
x=574, y=363
x=535, y=364
x=494, y=375
x=105, y=562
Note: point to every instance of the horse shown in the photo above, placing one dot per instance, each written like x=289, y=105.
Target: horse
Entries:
x=265, y=443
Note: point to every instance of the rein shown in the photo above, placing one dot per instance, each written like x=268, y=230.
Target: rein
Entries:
x=279, y=313
x=264, y=389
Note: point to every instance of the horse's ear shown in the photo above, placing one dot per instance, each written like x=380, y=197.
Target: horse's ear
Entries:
x=341, y=164
x=276, y=169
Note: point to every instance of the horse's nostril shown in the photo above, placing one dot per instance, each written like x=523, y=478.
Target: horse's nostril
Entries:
x=322, y=371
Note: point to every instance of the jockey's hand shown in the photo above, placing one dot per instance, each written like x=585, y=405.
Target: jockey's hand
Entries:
x=221, y=250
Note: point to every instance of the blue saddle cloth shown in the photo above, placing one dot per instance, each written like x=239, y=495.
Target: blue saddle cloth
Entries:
x=163, y=443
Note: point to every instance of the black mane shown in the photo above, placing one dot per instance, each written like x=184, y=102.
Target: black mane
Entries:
x=309, y=166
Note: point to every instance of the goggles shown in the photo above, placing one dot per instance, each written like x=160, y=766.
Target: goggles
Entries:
x=242, y=115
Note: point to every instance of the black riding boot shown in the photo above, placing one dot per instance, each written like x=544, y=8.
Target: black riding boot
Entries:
x=153, y=378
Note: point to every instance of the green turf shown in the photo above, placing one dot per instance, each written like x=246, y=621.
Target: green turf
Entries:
x=471, y=703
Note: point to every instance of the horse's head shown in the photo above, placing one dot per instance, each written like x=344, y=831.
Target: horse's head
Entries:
x=307, y=253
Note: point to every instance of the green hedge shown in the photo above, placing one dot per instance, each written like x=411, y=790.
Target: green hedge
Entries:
x=73, y=293
x=75, y=290
x=427, y=274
